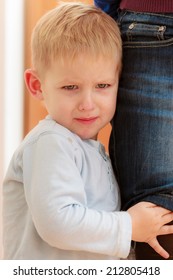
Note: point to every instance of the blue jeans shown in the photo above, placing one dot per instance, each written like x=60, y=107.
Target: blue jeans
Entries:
x=141, y=143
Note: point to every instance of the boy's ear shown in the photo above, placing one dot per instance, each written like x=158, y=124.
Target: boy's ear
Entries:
x=33, y=84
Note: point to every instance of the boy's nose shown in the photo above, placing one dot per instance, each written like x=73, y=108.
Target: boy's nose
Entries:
x=86, y=103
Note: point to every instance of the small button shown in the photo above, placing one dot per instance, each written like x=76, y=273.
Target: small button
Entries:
x=132, y=25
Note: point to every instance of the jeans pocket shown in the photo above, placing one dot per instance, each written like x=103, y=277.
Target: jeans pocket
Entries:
x=135, y=34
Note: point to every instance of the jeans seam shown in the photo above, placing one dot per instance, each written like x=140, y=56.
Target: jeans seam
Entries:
x=166, y=15
x=152, y=44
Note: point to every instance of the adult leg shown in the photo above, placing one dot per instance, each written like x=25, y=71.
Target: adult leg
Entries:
x=141, y=144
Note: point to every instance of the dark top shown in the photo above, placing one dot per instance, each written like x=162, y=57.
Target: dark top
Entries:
x=155, y=6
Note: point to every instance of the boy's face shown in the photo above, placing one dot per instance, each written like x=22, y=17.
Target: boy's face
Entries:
x=81, y=94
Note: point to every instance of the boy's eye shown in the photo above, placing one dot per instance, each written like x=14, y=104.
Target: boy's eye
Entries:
x=70, y=87
x=102, y=85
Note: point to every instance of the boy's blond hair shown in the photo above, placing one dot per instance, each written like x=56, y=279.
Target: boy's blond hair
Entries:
x=71, y=29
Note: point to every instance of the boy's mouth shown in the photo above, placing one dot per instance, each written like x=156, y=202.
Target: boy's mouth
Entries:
x=86, y=120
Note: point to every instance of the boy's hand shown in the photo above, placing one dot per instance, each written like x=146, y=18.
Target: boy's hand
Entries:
x=149, y=221
x=158, y=248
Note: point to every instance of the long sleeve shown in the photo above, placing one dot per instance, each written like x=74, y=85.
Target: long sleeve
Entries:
x=57, y=200
x=110, y=7
x=61, y=199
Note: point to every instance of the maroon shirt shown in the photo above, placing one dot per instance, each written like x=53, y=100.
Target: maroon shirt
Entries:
x=152, y=6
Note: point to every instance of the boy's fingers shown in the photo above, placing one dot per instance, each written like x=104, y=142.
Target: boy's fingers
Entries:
x=158, y=248
x=166, y=229
x=167, y=218
x=163, y=211
x=159, y=209
x=165, y=214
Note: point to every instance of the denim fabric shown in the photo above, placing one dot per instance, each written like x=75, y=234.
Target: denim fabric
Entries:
x=141, y=144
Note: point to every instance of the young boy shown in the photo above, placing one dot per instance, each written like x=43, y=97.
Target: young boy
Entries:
x=61, y=200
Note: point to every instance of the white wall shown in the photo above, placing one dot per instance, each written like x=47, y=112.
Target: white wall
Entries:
x=1, y=106
x=11, y=84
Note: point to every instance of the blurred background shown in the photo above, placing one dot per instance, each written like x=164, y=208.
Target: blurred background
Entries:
x=19, y=112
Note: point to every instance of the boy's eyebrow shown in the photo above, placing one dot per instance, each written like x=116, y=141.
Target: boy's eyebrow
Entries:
x=67, y=81
x=107, y=79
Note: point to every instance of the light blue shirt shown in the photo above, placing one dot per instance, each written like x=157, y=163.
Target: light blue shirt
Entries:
x=61, y=199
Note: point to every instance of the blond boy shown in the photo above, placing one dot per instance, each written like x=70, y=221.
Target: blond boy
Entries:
x=61, y=199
